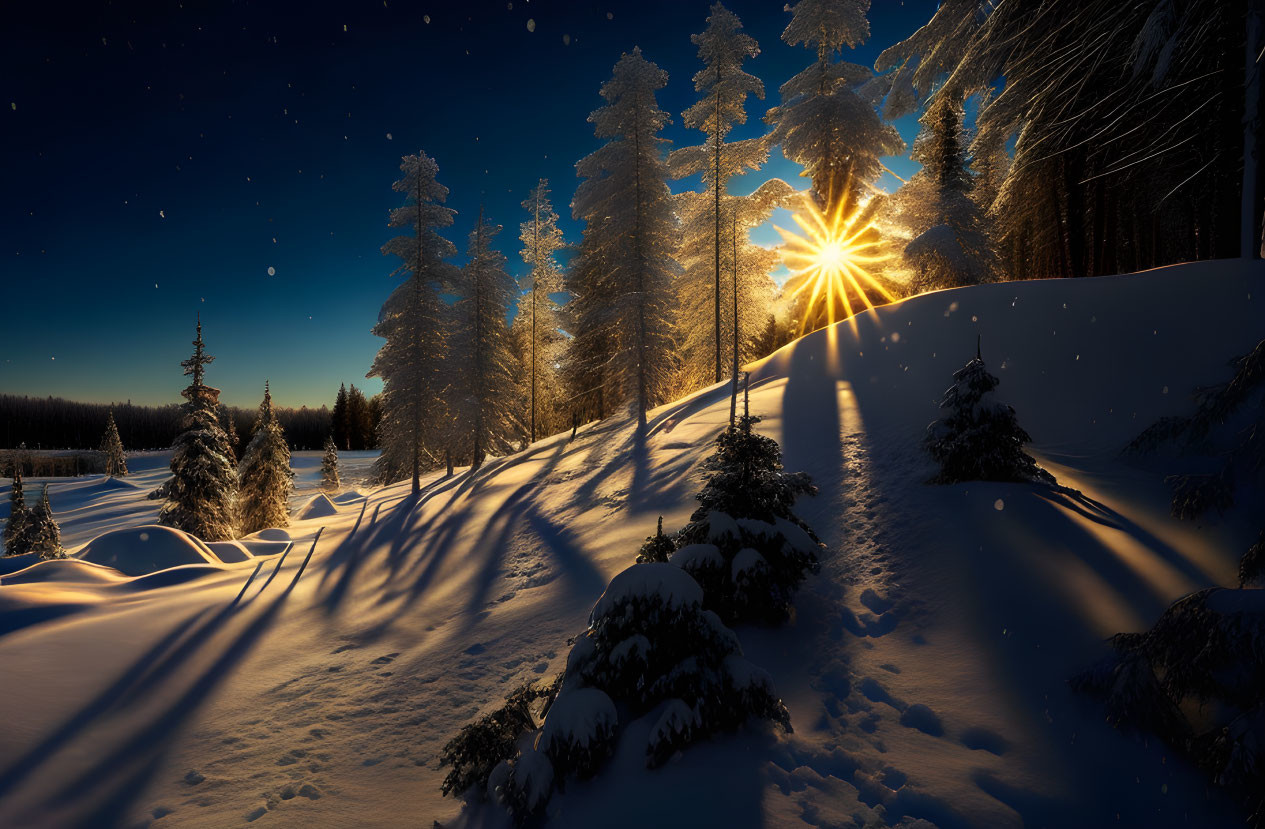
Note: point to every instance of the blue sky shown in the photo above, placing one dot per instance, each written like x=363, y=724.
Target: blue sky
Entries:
x=162, y=159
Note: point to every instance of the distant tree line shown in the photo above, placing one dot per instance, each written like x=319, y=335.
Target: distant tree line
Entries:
x=56, y=423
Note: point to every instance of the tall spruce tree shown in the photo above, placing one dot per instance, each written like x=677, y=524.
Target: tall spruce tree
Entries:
x=951, y=246
x=723, y=88
x=412, y=321
x=483, y=418
x=537, y=325
x=359, y=423
x=823, y=122
x=43, y=536
x=112, y=447
x=16, y=538
x=202, y=493
x=329, y=467
x=266, y=477
x=623, y=279
x=340, y=420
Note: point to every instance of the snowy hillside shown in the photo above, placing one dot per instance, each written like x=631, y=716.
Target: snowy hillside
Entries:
x=314, y=683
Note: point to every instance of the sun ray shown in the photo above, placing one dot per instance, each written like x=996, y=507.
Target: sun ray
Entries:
x=828, y=261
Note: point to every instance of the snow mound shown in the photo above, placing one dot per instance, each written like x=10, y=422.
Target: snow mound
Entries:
x=349, y=496
x=262, y=549
x=319, y=507
x=139, y=551
x=12, y=564
x=230, y=552
x=115, y=483
x=271, y=534
x=64, y=571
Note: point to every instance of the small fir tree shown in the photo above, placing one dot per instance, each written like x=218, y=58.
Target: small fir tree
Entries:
x=112, y=446
x=16, y=536
x=744, y=544
x=43, y=536
x=329, y=467
x=266, y=477
x=980, y=439
x=202, y=493
x=657, y=549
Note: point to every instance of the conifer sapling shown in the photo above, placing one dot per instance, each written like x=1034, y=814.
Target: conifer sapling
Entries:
x=112, y=446
x=329, y=467
x=266, y=477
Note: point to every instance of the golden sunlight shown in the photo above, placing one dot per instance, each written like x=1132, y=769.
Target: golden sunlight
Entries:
x=829, y=279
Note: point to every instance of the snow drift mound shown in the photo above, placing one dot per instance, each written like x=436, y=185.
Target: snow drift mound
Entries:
x=319, y=507
x=229, y=552
x=348, y=496
x=138, y=551
x=64, y=571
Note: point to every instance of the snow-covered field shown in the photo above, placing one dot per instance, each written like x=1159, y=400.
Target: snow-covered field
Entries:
x=925, y=670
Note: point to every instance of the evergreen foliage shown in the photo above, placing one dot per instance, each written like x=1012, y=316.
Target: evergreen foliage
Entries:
x=16, y=532
x=266, y=477
x=537, y=330
x=621, y=310
x=329, y=467
x=483, y=419
x=231, y=436
x=744, y=544
x=41, y=534
x=980, y=439
x=413, y=321
x=1252, y=565
x=112, y=447
x=202, y=493
x=657, y=549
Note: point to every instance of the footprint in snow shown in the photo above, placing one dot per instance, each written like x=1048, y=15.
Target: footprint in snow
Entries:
x=383, y=660
x=981, y=739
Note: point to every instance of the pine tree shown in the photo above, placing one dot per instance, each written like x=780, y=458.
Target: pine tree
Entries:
x=112, y=447
x=266, y=477
x=980, y=439
x=43, y=537
x=538, y=336
x=16, y=536
x=329, y=467
x=744, y=544
x=412, y=322
x=622, y=287
x=823, y=122
x=340, y=420
x=657, y=548
x=230, y=435
x=359, y=426
x=951, y=245
x=202, y=492
x=723, y=88
x=483, y=416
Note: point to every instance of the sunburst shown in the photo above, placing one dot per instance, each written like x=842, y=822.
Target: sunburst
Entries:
x=828, y=262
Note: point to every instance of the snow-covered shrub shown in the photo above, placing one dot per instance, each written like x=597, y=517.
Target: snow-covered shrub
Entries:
x=490, y=740
x=650, y=642
x=658, y=547
x=579, y=732
x=744, y=544
x=1252, y=566
x=41, y=534
x=527, y=784
x=1208, y=647
x=16, y=536
x=980, y=439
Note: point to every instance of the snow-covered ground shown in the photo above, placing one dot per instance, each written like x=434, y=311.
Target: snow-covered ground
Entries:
x=925, y=670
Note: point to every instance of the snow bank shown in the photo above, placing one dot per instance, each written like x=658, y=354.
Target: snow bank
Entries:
x=318, y=507
x=64, y=571
x=230, y=552
x=138, y=551
x=348, y=497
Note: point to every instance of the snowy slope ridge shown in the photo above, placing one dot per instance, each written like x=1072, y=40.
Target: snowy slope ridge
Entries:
x=925, y=670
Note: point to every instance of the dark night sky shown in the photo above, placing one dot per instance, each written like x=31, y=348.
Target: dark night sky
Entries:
x=161, y=158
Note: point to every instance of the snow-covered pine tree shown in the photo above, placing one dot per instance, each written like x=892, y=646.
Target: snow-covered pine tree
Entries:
x=359, y=421
x=723, y=88
x=657, y=548
x=266, y=477
x=202, y=493
x=339, y=419
x=537, y=325
x=623, y=286
x=412, y=321
x=951, y=245
x=112, y=448
x=43, y=536
x=823, y=123
x=16, y=538
x=230, y=435
x=329, y=467
x=483, y=417
x=980, y=439
x=744, y=544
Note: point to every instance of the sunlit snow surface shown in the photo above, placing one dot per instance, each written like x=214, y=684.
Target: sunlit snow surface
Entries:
x=924, y=672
